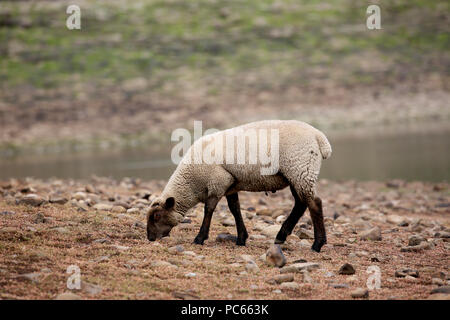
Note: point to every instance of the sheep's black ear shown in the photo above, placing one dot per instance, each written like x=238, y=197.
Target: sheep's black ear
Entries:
x=170, y=203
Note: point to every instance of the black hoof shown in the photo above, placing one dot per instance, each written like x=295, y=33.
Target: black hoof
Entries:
x=199, y=240
x=240, y=242
x=317, y=245
x=278, y=241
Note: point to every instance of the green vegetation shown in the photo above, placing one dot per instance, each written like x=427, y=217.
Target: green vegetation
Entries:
x=221, y=45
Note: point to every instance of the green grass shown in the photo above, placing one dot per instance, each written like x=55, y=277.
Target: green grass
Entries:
x=164, y=41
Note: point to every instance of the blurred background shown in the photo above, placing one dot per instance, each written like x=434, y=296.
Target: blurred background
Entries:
x=104, y=100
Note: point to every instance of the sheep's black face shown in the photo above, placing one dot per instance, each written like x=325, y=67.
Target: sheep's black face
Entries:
x=158, y=224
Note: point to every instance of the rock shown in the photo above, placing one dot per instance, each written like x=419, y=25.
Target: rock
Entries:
x=415, y=240
x=190, y=275
x=226, y=237
x=32, y=277
x=61, y=230
x=289, y=286
x=338, y=285
x=439, y=296
x=246, y=258
x=280, y=219
x=133, y=211
x=176, y=249
x=298, y=267
x=118, y=209
x=307, y=277
x=396, y=219
x=406, y=272
x=229, y=222
x=189, y=253
x=347, y=269
x=304, y=234
x=7, y=213
x=79, y=196
x=251, y=267
x=264, y=212
x=437, y=281
x=103, y=207
x=90, y=288
x=288, y=277
x=39, y=218
x=57, y=199
x=422, y=246
x=32, y=200
x=442, y=289
x=275, y=257
x=121, y=248
x=329, y=274
x=373, y=234
x=360, y=293
x=442, y=235
x=271, y=231
x=67, y=296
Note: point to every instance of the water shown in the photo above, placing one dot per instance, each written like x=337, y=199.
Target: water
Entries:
x=409, y=156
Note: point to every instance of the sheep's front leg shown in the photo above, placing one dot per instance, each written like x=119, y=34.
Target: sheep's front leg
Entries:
x=235, y=208
x=210, y=206
x=320, y=237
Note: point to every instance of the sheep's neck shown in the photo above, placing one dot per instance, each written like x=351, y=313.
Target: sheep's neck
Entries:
x=180, y=188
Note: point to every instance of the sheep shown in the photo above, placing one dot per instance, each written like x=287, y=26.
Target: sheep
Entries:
x=301, y=148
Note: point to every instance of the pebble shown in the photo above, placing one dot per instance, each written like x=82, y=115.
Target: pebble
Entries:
x=422, y=246
x=32, y=200
x=176, y=249
x=373, y=234
x=298, y=267
x=289, y=286
x=406, y=272
x=102, y=207
x=347, y=269
x=118, y=209
x=229, y=222
x=90, y=288
x=288, y=277
x=275, y=257
x=271, y=231
x=226, y=237
x=251, y=267
x=33, y=277
x=190, y=275
x=442, y=289
x=360, y=293
x=304, y=234
x=437, y=281
x=160, y=263
x=338, y=285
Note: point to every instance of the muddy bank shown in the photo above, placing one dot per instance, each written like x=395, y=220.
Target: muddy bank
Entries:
x=99, y=225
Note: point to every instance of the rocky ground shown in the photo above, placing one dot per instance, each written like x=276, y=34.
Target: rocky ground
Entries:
x=99, y=226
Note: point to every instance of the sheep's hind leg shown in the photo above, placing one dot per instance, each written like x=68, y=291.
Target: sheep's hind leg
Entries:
x=289, y=224
x=320, y=237
x=210, y=206
x=235, y=208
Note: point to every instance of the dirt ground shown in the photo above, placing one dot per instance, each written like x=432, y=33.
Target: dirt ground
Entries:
x=99, y=226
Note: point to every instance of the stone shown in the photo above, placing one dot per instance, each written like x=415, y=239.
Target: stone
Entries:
x=360, y=293
x=32, y=277
x=39, y=218
x=442, y=289
x=90, y=288
x=347, y=269
x=226, y=237
x=160, y=263
x=190, y=275
x=185, y=295
x=338, y=285
x=307, y=277
x=406, y=272
x=288, y=277
x=229, y=222
x=264, y=212
x=32, y=200
x=79, y=196
x=103, y=207
x=67, y=296
x=133, y=211
x=275, y=257
x=437, y=281
x=415, y=240
x=396, y=219
x=118, y=209
x=271, y=231
x=57, y=199
x=289, y=286
x=298, y=267
x=373, y=234
x=422, y=246
x=246, y=258
x=251, y=267
x=304, y=234
x=176, y=249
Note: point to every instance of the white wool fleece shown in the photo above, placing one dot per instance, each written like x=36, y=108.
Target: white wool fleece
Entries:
x=301, y=149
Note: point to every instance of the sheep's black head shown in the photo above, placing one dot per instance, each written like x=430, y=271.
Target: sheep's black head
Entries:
x=160, y=218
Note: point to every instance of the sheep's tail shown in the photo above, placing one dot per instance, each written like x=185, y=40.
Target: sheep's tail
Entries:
x=324, y=145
